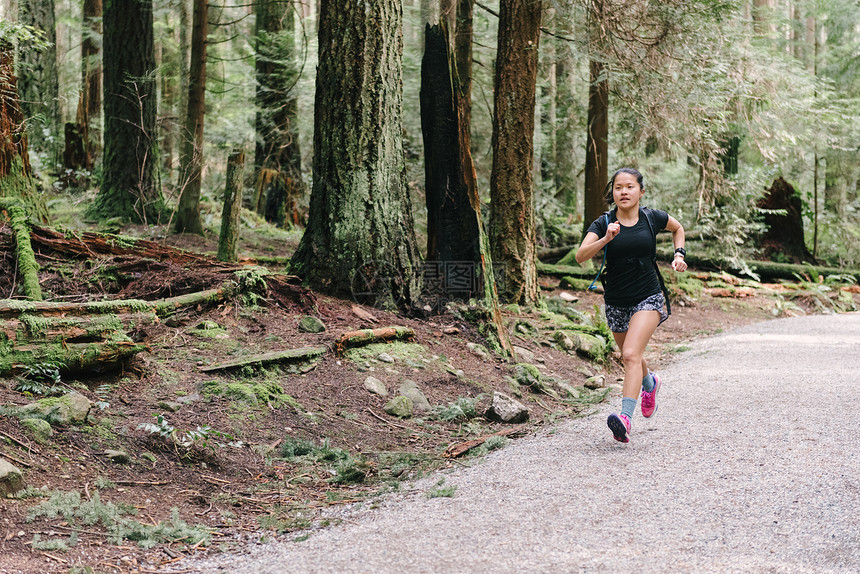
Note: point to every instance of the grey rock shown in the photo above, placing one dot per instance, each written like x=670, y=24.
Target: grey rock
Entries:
x=311, y=324
x=39, y=429
x=385, y=358
x=563, y=341
x=527, y=375
x=376, y=386
x=595, y=382
x=478, y=350
x=524, y=354
x=507, y=410
x=419, y=400
x=117, y=456
x=11, y=479
x=192, y=398
x=399, y=406
x=170, y=406
x=590, y=346
x=572, y=391
x=71, y=408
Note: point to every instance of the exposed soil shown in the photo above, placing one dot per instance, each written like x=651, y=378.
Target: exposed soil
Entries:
x=252, y=490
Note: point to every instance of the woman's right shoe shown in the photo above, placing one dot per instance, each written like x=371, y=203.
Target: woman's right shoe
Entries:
x=649, y=400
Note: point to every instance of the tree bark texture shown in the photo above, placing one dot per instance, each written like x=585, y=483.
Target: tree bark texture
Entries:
x=38, y=78
x=784, y=235
x=512, y=218
x=277, y=142
x=90, y=101
x=228, y=241
x=596, y=144
x=128, y=185
x=566, y=148
x=547, y=106
x=191, y=156
x=360, y=235
x=463, y=51
x=15, y=174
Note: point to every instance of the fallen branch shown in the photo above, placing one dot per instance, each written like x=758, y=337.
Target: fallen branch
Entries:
x=16, y=460
x=266, y=358
x=368, y=336
x=462, y=448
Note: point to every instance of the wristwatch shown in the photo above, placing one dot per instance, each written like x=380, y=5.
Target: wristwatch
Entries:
x=680, y=251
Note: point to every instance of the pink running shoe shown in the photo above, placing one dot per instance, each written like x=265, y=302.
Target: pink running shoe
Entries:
x=649, y=400
x=620, y=427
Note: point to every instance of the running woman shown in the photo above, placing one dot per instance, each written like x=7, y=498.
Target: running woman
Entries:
x=634, y=291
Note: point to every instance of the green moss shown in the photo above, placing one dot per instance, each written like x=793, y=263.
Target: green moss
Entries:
x=265, y=392
x=396, y=349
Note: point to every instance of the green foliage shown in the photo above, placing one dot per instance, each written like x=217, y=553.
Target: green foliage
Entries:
x=462, y=409
x=345, y=468
x=112, y=517
x=204, y=437
x=441, y=490
x=41, y=379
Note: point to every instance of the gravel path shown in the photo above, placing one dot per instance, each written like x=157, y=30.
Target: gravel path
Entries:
x=749, y=465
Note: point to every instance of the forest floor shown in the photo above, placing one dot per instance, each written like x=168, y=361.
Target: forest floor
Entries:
x=288, y=440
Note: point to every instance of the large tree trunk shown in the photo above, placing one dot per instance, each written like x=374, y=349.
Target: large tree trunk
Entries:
x=784, y=236
x=597, y=143
x=547, y=104
x=128, y=185
x=191, y=158
x=463, y=54
x=565, y=146
x=15, y=175
x=277, y=142
x=360, y=236
x=39, y=84
x=90, y=102
x=512, y=218
x=459, y=262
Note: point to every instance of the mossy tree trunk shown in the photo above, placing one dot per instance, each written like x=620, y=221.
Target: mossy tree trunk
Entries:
x=90, y=99
x=15, y=176
x=228, y=241
x=512, y=218
x=128, y=187
x=39, y=83
x=360, y=238
x=191, y=157
x=277, y=146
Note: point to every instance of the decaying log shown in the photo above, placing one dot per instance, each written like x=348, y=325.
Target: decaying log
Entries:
x=368, y=336
x=70, y=357
x=565, y=271
x=462, y=448
x=27, y=265
x=267, y=358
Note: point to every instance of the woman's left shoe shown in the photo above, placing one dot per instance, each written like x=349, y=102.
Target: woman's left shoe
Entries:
x=620, y=427
x=649, y=400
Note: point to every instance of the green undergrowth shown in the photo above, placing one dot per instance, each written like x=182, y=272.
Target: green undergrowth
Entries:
x=256, y=393
x=118, y=528
x=396, y=349
x=341, y=464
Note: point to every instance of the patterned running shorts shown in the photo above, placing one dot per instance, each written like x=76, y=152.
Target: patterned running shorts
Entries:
x=618, y=318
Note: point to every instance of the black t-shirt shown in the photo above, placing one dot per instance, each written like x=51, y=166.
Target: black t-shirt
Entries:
x=630, y=274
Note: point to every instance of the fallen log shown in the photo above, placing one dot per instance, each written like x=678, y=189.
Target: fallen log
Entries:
x=267, y=358
x=368, y=336
x=565, y=271
x=27, y=265
x=462, y=448
x=161, y=307
x=37, y=329
x=69, y=357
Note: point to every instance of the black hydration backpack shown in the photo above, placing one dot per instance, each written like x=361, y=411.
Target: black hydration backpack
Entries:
x=610, y=217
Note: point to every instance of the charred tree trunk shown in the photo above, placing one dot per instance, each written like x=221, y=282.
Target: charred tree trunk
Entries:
x=15, y=176
x=191, y=157
x=360, y=236
x=463, y=51
x=128, y=187
x=459, y=262
x=512, y=218
x=784, y=236
x=277, y=146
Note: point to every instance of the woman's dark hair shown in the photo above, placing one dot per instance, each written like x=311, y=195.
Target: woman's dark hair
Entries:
x=607, y=191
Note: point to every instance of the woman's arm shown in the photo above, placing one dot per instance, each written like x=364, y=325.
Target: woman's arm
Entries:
x=592, y=244
x=678, y=240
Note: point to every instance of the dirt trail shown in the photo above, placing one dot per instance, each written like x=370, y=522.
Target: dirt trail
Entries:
x=748, y=466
